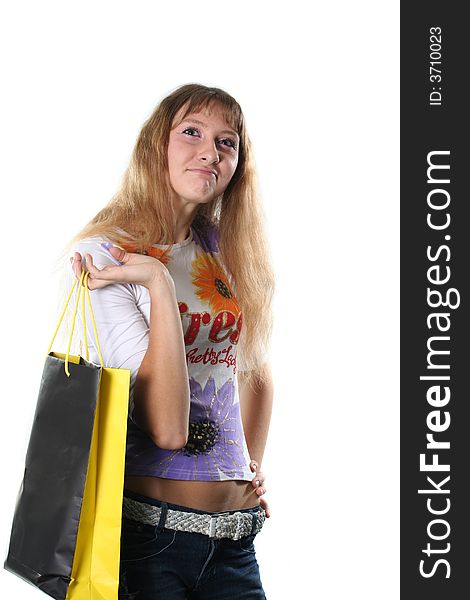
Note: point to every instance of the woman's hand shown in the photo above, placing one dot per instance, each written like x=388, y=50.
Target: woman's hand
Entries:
x=258, y=484
x=136, y=268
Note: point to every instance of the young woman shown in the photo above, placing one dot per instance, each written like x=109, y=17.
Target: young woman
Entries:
x=183, y=286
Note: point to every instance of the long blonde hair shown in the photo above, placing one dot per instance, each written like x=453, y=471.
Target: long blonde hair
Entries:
x=141, y=212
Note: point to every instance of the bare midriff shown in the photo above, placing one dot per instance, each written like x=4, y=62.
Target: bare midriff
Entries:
x=213, y=496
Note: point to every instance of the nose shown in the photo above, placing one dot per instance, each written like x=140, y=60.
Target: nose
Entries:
x=208, y=152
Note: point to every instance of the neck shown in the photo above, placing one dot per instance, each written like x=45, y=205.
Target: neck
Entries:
x=185, y=214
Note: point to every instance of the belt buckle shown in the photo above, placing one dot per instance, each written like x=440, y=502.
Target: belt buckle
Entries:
x=235, y=526
x=212, y=521
x=232, y=522
x=231, y=528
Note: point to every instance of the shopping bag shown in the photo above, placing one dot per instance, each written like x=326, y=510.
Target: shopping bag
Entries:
x=66, y=529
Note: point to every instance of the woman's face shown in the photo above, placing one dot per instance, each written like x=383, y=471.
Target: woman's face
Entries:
x=202, y=155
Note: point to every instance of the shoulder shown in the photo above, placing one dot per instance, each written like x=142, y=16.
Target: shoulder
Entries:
x=92, y=241
x=98, y=247
x=206, y=234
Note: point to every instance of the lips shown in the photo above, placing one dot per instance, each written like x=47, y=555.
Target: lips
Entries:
x=206, y=171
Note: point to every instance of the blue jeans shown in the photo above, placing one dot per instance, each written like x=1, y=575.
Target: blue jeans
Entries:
x=159, y=563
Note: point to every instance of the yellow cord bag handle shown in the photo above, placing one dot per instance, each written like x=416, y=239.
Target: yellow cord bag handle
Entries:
x=83, y=290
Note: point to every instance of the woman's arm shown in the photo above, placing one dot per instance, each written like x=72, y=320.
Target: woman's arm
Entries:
x=153, y=351
x=161, y=394
x=256, y=408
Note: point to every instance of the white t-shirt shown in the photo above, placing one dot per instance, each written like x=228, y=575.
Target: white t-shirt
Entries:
x=211, y=321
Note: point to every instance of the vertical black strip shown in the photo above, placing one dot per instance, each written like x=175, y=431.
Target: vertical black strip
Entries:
x=434, y=270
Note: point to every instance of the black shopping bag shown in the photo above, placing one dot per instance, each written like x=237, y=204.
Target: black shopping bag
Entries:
x=47, y=513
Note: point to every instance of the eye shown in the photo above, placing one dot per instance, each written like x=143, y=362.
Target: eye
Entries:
x=228, y=142
x=190, y=129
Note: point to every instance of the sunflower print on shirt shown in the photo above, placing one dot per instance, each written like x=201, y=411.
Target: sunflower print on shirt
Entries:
x=215, y=441
x=161, y=254
x=212, y=284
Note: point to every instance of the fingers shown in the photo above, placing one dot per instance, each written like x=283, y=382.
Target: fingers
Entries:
x=265, y=505
x=95, y=273
x=97, y=278
x=107, y=273
x=258, y=480
x=258, y=484
x=76, y=261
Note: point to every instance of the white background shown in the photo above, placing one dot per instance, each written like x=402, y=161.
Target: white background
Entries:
x=318, y=82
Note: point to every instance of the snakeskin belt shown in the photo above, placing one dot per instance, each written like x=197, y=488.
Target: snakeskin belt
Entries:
x=216, y=525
